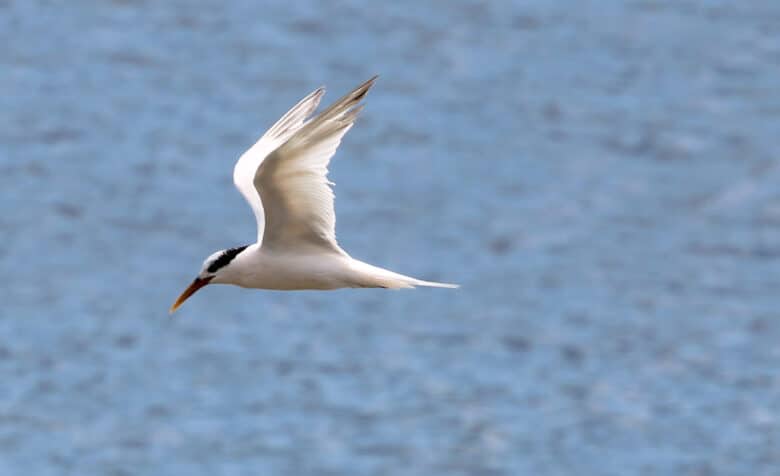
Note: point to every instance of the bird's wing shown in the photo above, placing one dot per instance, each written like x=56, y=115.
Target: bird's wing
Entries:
x=246, y=167
x=293, y=185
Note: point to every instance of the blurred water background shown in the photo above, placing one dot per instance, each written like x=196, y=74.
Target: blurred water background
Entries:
x=601, y=177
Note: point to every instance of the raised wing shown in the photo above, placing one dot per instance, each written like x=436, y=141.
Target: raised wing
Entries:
x=246, y=167
x=293, y=185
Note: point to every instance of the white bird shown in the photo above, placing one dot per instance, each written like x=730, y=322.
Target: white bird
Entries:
x=284, y=179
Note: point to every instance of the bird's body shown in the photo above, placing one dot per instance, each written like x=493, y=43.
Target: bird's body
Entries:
x=284, y=179
x=258, y=268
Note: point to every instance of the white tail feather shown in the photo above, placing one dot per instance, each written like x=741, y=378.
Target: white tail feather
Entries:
x=369, y=276
x=434, y=284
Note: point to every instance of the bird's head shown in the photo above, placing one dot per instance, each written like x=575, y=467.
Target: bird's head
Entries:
x=213, y=267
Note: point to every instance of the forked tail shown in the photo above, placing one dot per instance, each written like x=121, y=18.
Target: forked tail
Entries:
x=434, y=284
x=368, y=276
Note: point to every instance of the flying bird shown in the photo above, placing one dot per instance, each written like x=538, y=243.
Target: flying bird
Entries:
x=284, y=179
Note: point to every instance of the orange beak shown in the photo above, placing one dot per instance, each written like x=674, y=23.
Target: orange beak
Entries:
x=191, y=289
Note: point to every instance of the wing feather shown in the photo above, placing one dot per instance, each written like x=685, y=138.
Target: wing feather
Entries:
x=292, y=181
x=248, y=163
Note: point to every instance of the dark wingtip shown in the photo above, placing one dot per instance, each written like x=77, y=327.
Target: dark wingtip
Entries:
x=363, y=88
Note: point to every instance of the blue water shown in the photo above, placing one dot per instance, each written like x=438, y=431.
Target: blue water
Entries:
x=601, y=177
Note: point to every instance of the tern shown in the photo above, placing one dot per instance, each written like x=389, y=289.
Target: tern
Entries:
x=283, y=177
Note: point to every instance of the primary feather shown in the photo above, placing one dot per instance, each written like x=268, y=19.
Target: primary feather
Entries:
x=292, y=181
